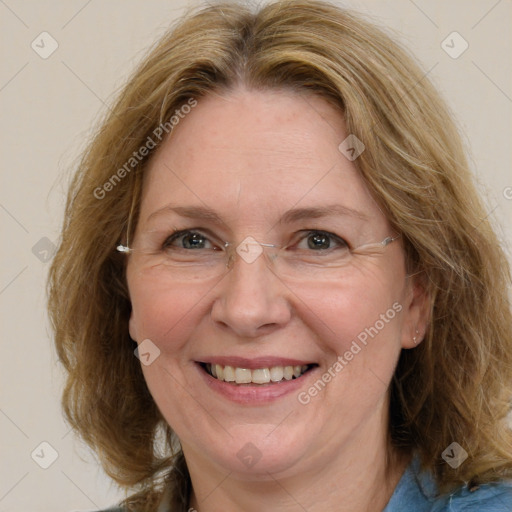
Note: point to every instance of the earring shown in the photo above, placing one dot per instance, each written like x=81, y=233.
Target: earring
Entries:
x=415, y=337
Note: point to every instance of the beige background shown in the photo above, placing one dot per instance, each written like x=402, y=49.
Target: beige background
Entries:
x=48, y=109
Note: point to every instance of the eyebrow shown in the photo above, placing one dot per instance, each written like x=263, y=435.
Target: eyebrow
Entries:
x=290, y=216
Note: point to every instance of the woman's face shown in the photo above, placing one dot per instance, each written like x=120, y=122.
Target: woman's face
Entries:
x=252, y=158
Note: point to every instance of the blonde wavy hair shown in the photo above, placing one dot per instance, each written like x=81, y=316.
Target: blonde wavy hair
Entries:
x=455, y=386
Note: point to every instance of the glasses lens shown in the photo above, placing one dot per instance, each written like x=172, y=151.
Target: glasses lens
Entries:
x=319, y=263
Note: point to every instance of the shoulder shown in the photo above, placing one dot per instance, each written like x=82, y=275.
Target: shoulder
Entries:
x=113, y=509
x=418, y=491
x=495, y=497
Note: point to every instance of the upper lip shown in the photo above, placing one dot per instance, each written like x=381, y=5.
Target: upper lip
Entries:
x=254, y=363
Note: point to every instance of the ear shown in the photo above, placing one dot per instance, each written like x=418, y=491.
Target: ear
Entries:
x=132, y=327
x=416, y=311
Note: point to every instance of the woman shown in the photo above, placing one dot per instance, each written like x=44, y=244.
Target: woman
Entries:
x=276, y=287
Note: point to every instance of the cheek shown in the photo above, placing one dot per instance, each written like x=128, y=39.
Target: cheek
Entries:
x=358, y=329
x=165, y=312
x=342, y=311
x=357, y=324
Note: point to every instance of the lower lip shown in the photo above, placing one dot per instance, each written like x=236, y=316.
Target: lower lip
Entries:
x=254, y=393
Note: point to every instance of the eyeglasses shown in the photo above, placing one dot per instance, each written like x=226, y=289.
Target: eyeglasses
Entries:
x=196, y=257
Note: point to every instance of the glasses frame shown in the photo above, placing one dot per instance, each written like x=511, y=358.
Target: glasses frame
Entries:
x=125, y=249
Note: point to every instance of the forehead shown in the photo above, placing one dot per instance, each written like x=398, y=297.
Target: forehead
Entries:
x=253, y=154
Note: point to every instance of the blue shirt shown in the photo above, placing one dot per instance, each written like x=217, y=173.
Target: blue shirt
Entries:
x=417, y=492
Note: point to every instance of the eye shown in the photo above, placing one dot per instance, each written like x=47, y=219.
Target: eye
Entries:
x=187, y=239
x=322, y=240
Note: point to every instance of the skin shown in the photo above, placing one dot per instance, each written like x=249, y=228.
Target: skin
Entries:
x=251, y=155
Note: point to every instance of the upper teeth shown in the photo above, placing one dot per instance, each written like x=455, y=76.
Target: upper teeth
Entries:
x=258, y=376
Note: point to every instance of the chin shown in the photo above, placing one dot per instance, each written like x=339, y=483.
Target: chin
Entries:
x=252, y=453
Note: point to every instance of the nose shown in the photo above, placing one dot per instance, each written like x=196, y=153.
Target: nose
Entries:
x=251, y=300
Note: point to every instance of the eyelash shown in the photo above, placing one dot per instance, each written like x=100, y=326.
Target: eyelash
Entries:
x=178, y=233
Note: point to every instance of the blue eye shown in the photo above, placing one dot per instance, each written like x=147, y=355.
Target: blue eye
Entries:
x=187, y=239
x=323, y=240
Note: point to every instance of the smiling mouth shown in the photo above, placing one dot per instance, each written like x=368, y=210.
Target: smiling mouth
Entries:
x=241, y=376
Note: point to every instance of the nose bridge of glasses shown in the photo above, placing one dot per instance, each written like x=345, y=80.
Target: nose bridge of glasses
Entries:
x=249, y=250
